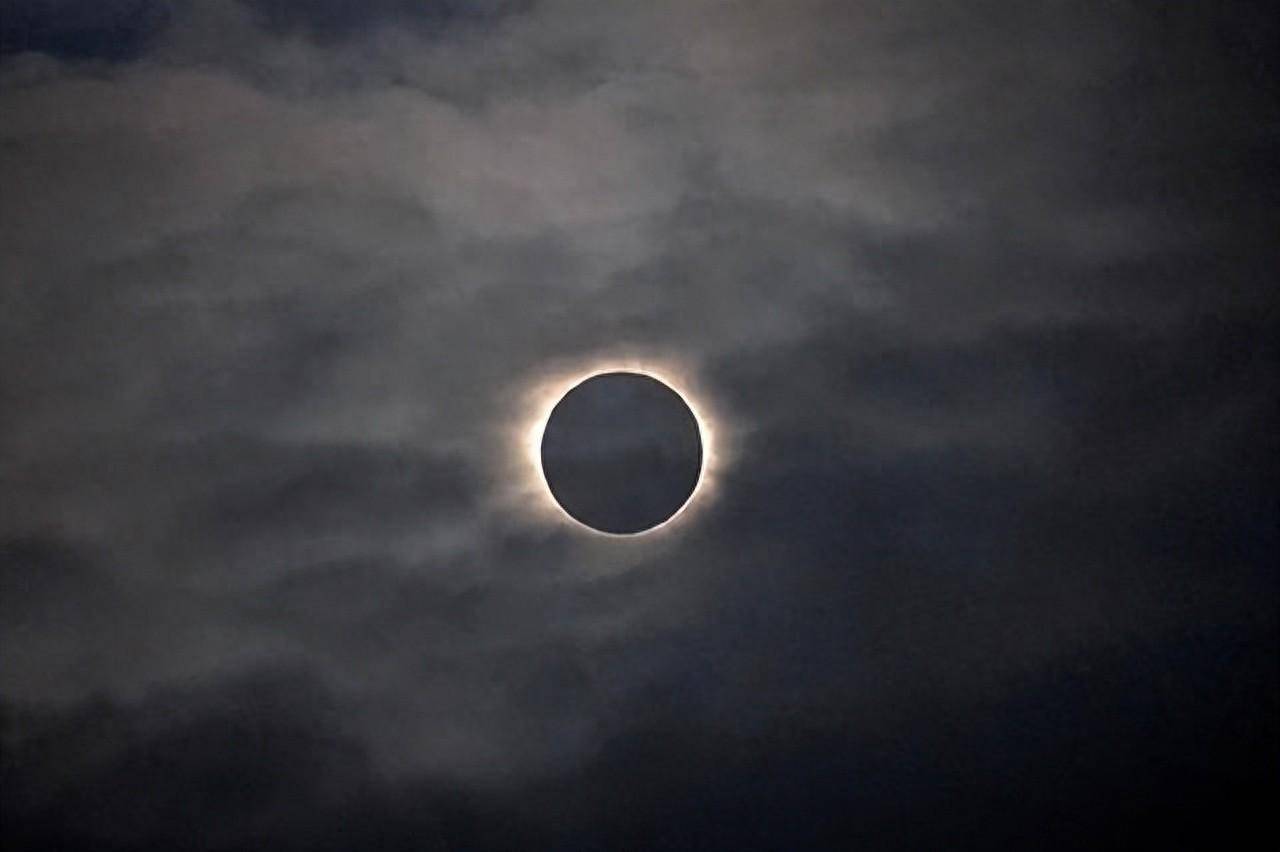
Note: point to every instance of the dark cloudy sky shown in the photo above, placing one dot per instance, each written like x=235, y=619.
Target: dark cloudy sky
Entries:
x=982, y=294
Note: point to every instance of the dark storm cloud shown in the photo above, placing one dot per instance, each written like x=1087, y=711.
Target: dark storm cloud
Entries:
x=266, y=759
x=111, y=30
x=329, y=20
x=979, y=292
x=211, y=767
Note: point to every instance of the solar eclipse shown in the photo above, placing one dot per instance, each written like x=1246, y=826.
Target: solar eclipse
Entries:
x=621, y=452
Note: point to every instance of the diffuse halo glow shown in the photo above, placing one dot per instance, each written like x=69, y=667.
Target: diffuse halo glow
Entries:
x=548, y=390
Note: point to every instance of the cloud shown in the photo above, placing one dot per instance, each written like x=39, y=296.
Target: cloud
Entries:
x=265, y=758
x=976, y=292
x=222, y=764
x=112, y=31
x=328, y=20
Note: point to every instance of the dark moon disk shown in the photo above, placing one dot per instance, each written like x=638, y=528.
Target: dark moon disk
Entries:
x=621, y=452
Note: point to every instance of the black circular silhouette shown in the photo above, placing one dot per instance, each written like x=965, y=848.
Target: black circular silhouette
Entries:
x=621, y=452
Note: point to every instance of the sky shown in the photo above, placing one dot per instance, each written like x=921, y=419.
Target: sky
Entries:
x=977, y=298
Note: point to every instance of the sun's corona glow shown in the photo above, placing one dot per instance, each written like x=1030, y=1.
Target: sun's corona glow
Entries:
x=546, y=392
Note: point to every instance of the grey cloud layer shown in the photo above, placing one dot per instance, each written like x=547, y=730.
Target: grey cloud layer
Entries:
x=984, y=289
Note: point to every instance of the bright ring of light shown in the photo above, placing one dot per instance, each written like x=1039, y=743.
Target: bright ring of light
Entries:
x=552, y=391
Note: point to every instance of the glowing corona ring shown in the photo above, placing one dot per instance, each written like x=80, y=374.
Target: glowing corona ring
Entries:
x=544, y=396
